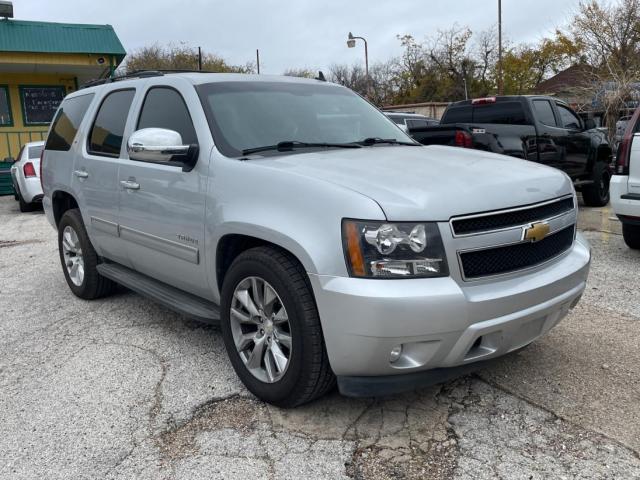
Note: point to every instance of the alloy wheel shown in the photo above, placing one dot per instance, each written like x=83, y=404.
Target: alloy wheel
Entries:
x=72, y=253
x=261, y=330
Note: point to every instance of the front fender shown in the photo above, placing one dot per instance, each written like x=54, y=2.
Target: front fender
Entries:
x=297, y=213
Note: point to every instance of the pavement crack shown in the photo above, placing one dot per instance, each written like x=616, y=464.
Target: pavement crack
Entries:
x=546, y=409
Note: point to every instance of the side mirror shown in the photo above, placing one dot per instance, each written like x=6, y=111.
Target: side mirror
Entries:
x=160, y=145
x=589, y=124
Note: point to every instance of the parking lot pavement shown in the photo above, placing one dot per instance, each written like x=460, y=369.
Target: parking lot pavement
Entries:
x=123, y=388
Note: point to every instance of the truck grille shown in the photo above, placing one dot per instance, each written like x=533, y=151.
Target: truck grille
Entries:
x=509, y=258
x=511, y=218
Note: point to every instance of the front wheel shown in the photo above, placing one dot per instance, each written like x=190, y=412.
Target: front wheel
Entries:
x=79, y=259
x=631, y=234
x=271, y=328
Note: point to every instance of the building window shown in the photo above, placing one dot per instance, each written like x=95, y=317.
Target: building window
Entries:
x=39, y=103
x=6, y=120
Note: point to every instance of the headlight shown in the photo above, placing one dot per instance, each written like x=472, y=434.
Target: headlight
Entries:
x=393, y=250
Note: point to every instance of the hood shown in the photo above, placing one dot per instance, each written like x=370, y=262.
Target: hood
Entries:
x=430, y=183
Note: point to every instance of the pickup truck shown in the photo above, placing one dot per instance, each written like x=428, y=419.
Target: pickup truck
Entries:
x=537, y=128
x=327, y=244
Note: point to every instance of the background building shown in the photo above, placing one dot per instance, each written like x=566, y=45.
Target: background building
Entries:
x=41, y=62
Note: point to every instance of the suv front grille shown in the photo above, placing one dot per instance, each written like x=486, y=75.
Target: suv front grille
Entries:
x=511, y=218
x=509, y=258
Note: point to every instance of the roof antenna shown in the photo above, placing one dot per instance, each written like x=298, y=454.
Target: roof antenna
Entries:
x=321, y=76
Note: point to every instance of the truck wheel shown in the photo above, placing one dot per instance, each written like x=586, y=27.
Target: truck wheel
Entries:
x=79, y=259
x=631, y=234
x=597, y=194
x=271, y=329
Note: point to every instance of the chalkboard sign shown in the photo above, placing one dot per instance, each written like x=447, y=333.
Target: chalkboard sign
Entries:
x=39, y=104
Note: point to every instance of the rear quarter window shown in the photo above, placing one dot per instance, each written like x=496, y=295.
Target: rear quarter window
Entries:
x=67, y=121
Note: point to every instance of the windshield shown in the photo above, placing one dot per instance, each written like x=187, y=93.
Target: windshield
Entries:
x=34, y=152
x=247, y=115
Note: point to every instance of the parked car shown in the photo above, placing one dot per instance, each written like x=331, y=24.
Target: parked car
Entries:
x=537, y=128
x=411, y=120
x=25, y=175
x=621, y=127
x=625, y=184
x=324, y=241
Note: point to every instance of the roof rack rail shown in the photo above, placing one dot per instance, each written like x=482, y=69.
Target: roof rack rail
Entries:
x=139, y=74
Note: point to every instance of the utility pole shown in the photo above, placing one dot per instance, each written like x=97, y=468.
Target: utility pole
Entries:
x=199, y=59
x=500, y=72
x=258, y=60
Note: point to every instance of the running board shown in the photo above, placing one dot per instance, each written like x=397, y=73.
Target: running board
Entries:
x=177, y=300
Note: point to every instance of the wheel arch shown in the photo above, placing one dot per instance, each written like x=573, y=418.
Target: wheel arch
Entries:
x=231, y=245
x=61, y=201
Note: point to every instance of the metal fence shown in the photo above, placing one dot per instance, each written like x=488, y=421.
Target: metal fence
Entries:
x=12, y=141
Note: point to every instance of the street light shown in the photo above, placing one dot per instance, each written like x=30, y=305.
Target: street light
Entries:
x=351, y=43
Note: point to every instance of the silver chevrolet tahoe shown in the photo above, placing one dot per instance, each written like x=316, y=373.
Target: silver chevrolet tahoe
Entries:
x=324, y=241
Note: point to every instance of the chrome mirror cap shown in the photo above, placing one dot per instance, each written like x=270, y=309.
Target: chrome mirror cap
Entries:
x=155, y=145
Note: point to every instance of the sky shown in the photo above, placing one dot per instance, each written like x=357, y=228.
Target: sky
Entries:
x=297, y=33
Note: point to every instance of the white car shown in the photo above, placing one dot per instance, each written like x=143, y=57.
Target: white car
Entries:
x=25, y=174
x=625, y=184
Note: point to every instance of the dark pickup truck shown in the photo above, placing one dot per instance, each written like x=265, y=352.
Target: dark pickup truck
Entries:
x=536, y=128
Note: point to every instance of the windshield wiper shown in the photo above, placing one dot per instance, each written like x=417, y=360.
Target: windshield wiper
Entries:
x=377, y=140
x=290, y=145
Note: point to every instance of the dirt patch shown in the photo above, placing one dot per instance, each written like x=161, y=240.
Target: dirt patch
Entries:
x=240, y=414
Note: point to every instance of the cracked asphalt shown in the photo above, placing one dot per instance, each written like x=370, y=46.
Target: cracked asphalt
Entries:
x=123, y=388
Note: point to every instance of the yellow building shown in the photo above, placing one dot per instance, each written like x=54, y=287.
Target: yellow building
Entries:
x=40, y=62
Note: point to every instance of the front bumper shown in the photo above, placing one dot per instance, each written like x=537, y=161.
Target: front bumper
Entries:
x=442, y=322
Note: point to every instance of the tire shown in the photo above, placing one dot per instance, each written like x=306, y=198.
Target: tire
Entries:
x=307, y=375
x=631, y=234
x=597, y=194
x=24, y=206
x=91, y=285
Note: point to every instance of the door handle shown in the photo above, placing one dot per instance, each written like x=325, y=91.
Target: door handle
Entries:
x=130, y=185
x=81, y=173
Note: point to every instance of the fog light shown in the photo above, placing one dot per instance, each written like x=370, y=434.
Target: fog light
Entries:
x=395, y=353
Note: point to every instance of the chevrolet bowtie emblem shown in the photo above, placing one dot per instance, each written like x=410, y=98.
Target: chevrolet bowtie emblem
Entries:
x=536, y=232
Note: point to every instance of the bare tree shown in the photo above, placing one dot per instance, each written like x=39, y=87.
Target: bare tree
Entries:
x=178, y=57
x=300, y=72
x=609, y=33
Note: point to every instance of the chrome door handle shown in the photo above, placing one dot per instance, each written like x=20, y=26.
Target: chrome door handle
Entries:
x=81, y=173
x=129, y=185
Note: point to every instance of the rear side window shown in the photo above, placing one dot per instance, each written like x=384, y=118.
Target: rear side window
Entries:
x=544, y=112
x=108, y=128
x=34, y=152
x=67, y=121
x=164, y=108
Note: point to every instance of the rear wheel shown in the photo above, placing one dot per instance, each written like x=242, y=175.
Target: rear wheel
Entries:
x=79, y=259
x=597, y=194
x=271, y=328
x=24, y=206
x=631, y=234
